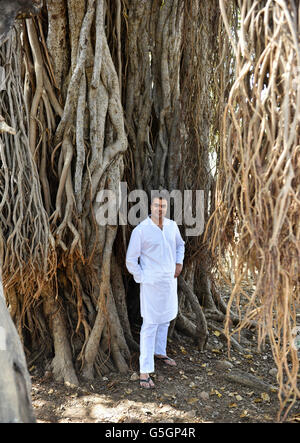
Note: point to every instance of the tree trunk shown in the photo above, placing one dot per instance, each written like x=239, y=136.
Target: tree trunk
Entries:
x=15, y=384
x=83, y=71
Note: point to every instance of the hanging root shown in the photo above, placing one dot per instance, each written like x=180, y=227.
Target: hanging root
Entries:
x=201, y=333
x=257, y=196
x=55, y=255
x=29, y=259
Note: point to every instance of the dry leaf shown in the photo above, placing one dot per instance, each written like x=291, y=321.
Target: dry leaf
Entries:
x=233, y=405
x=192, y=400
x=218, y=393
x=265, y=396
x=183, y=350
x=239, y=398
x=217, y=333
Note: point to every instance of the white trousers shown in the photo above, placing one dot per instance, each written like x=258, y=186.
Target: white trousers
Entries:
x=153, y=340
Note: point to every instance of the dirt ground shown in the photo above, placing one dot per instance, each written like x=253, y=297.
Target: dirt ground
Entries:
x=197, y=390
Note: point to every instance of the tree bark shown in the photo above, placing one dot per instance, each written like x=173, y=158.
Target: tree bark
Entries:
x=80, y=87
x=15, y=384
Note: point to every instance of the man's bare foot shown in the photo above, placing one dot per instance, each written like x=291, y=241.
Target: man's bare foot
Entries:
x=146, y=382
x=165, y=359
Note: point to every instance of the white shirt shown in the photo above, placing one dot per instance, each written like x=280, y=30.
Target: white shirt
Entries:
x=151, y=257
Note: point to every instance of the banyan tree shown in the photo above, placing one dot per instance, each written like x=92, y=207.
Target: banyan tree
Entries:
x=149, y=93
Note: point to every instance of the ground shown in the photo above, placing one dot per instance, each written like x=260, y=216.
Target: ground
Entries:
x=197, y=390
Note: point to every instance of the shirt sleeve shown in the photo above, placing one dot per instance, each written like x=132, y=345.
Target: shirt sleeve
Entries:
x=179, y=247
x=133, y=254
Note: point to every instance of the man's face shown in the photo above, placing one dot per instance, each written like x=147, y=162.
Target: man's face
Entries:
x=159, y=208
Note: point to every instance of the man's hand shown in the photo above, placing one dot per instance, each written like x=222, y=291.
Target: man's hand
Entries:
x=178, y=270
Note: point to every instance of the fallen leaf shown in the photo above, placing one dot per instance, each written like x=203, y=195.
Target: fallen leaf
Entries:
x=244, y=414
x=192, y=400
x=265, y=396
x=218, y=393
x=233, y=405
x=216, y=351
x=217, y=333
x=238, y=397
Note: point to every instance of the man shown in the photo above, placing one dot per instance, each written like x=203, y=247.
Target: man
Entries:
x=155, y=258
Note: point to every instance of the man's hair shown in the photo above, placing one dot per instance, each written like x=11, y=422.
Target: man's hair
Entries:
x=161, y=195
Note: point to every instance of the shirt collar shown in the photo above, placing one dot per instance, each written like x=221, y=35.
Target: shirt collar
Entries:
x=166, y=221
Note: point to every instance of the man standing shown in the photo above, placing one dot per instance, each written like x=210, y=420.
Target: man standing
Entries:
x=155, y=258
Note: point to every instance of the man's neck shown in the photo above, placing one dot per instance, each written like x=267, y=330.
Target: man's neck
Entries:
x=158, y=221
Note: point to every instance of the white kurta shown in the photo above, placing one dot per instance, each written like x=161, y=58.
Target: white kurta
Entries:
x=151, y=257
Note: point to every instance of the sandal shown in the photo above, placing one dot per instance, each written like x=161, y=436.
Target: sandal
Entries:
x=167, y=360
x=146, y=380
